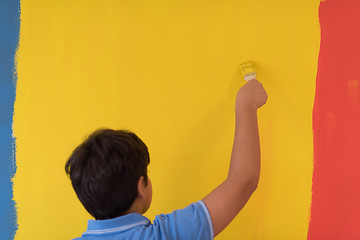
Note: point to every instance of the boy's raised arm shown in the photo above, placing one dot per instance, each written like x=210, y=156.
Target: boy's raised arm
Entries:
x=225, y=202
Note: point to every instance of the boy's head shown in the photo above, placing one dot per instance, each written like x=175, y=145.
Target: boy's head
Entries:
x=109, y=173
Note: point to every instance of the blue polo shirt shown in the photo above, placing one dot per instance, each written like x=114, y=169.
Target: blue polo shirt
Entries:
x=190, y=223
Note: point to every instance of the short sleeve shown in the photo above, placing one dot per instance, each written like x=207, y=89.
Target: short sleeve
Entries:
x=193, y=222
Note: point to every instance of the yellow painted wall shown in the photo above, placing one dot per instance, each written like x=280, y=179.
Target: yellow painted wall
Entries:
x=167, y=70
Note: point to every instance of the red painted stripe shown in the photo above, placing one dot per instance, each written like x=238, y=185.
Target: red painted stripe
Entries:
x=335, y=207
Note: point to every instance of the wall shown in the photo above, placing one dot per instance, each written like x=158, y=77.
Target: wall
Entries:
x=9, y=33
x=167, y=70
x=335, y=211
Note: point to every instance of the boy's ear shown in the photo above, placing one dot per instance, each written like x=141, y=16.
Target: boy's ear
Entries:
x=141, y=187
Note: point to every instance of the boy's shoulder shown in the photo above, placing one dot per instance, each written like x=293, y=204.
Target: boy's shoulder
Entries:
x=192, y=222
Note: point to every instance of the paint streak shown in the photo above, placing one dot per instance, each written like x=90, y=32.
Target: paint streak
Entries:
x=9, y=32
x=335, y=211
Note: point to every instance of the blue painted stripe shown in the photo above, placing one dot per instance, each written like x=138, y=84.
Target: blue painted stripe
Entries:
x=9, y=39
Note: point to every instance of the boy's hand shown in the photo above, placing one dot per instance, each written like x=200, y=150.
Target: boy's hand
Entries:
x=251, y=96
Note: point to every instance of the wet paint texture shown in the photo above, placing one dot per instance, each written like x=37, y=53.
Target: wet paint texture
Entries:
x=9, y=32
x=168, y=70
x=335, y=210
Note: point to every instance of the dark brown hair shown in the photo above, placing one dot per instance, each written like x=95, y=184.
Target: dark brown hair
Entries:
x=105, y=170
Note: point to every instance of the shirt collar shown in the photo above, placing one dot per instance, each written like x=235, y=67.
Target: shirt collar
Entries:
x=122, y=223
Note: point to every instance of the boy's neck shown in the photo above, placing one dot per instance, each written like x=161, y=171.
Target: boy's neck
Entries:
x=136, y=207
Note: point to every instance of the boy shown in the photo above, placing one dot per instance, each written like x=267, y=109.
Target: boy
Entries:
x=109, y=175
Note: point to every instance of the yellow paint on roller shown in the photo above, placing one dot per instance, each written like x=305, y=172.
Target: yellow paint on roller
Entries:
x=168, y=70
